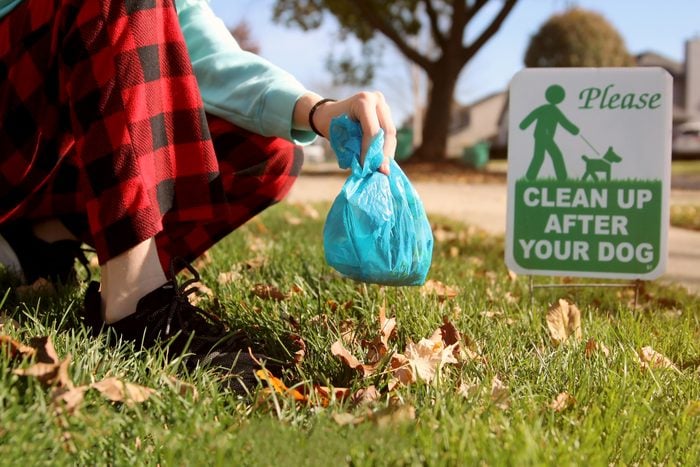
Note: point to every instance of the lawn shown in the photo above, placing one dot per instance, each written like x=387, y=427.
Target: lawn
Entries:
x=686, y=216
x=508, y=395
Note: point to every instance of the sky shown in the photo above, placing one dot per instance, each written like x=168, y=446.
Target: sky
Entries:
x=645, y=25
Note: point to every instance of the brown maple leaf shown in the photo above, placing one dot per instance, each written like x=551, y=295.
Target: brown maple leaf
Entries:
x=180, y=387
x=269, y=292
x=500, y=394
x=229, y=277
x=451, y=336
x=442, y=291
x=339, y=350
x=48, y=369
x=40, y=287
x=202, y=293
x=378, y=347
x=650, y=358
x=15, y=348
x=564, y=322
x=7, y=323
x=276, y=385
x=428, y=356
x=68, y=400
x=117, y=390
x=563, y=401
x=393, y=415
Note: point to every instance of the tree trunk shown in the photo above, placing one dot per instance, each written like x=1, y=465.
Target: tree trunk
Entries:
x=437, y=116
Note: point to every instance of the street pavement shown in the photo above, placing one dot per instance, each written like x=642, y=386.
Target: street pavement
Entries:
x=484, y=205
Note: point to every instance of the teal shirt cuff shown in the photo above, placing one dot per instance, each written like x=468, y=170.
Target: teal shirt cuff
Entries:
x=238, y=86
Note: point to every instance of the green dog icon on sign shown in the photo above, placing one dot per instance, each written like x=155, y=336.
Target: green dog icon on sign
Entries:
x=548, y=117
x=602, y=165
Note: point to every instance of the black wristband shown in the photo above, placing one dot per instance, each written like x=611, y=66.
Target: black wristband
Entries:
x=313, y=111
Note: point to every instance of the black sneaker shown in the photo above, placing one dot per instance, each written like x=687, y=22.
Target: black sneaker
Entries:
x=39, y=259
x=166, y=317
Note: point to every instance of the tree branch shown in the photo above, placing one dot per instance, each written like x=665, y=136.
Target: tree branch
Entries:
x=475, y=9
x=434, y=23
x=469, y=51
x=383, y=26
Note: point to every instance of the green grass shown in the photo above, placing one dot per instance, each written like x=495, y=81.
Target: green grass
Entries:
x=685, y=216
x=623, y=415
x=690, y=167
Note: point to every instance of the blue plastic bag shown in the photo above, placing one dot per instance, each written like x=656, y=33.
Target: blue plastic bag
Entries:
x=376, y=230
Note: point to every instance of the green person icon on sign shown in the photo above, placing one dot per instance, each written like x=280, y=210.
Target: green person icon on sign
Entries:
x=547, y=118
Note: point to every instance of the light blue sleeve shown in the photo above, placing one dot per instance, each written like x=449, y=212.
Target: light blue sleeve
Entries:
x=236, y=85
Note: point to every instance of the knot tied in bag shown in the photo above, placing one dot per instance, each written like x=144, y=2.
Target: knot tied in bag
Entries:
x=377, y=230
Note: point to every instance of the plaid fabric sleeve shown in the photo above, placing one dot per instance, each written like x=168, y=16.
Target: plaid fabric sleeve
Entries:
x=109, y=85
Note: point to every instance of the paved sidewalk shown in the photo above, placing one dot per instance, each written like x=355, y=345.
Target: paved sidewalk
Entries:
x=484, y=205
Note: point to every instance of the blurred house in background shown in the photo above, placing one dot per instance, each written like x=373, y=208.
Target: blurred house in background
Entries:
x=475, y=123
x=487, y=118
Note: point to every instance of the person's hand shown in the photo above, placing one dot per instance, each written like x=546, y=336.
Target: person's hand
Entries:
x=371, y=111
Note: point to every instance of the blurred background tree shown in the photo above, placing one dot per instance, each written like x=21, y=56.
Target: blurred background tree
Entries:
x=241, y=32
x=405, y=24
x=577, y=38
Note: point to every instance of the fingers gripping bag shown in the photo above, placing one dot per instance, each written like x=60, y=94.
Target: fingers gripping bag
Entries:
x=376, y=230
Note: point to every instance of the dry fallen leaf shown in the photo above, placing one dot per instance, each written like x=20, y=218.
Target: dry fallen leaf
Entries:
x=300, y=345
x=39, y=287
x=202, y=293
x=48, y=369
x=378, y=347
x=563, y=401
x=203, y=261
x=510, y=298
x=442, y=291
x=182, y=388
x=650, y=358
x=401, y=371
x=255, y=263
x=393, y=415
x=499, y=394
x=334, y=306
x=310, y=211
x=443, y=233
x=7, y=323
x=427, y=357
x=345, y=418
x=492, y=314
x=277, y=386
x=229, y=277
x=592, y=347
x=268, y=292
x=292, y=220
x=48, y=373
x=366, y=395
x=68, y=399
x=45, y=351
x=468, y=390
x=15, y=348
x=451, y=336
x=339, y=350
x=257, y=244
x=117, y=390
x=325, y=394
x=564, y=322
